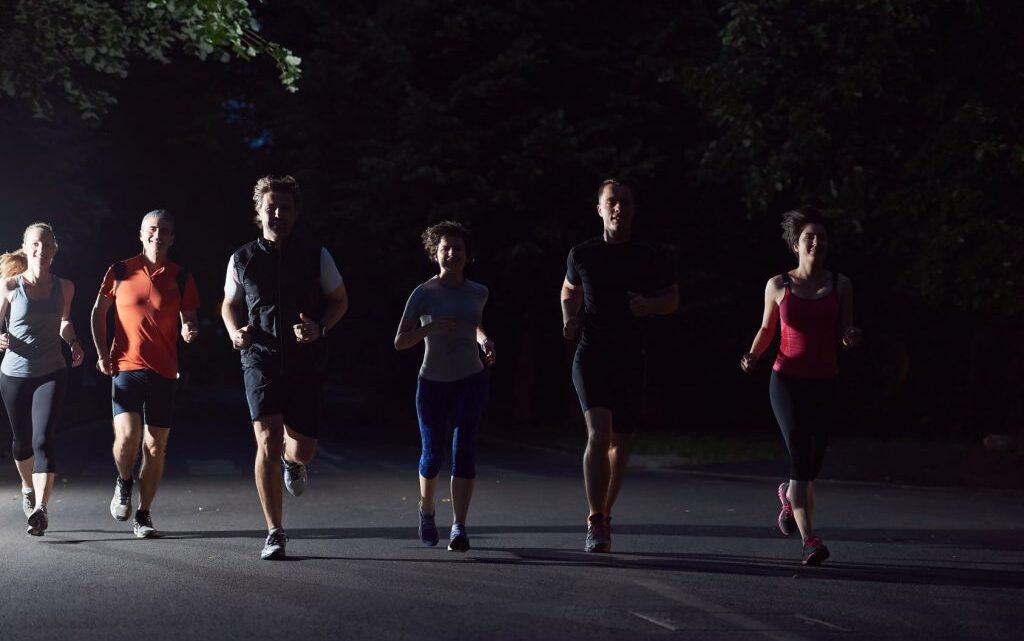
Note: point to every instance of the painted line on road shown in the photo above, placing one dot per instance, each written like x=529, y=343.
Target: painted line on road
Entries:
x=330, y=456
x=656, y=621
x=741, y=621
x=824, y=623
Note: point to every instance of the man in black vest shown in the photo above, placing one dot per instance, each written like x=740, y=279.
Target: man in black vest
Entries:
x=282, y=295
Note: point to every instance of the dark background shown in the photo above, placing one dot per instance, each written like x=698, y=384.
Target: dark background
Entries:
x=901, y=120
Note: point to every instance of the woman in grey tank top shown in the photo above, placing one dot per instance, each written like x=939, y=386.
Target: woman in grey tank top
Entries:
x=35, y=306
x=445, y=313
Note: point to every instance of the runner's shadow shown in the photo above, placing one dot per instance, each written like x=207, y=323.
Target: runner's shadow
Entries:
x=767, y=567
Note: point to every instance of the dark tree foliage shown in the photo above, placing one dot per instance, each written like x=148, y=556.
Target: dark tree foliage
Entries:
x=901, y=119
x=67, y=51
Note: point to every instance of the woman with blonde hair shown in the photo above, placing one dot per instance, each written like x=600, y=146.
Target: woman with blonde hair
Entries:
x=33, y=373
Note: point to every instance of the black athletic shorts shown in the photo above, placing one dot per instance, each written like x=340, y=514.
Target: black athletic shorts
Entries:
x=144, y=392
x=296, y=395
x=612, y=380
x=805, y=409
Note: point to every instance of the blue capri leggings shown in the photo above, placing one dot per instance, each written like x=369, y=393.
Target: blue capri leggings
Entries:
x=457, y=406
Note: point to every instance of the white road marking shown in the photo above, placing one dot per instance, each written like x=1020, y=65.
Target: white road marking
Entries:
x=330, y=456
x=824, y=623
x=741, y=621
x=656, y=621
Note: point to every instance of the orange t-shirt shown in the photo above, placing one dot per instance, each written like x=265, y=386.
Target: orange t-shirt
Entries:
x=146, y=315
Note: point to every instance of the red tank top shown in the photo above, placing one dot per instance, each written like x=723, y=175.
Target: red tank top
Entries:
x=810, y=333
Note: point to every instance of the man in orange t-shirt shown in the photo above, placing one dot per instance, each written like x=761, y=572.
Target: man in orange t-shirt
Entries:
x=149, y=294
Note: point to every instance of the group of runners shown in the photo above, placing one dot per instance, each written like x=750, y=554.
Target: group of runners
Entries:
x=283, y=294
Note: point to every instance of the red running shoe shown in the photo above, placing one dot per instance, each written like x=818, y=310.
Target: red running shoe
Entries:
x=814, y=551
x=786, y=521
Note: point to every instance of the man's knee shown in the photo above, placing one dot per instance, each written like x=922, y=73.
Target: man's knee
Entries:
x=154, y=449
x=620, y=443
x=599, y=427
x=269, y=436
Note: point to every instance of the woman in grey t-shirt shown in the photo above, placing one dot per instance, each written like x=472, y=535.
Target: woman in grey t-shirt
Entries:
x=33, y=373
x=445, y=313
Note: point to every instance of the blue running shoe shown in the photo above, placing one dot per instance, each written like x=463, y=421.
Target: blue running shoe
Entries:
x=459, y=539
x=427, y=529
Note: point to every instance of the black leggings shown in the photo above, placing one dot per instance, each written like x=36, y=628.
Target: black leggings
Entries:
x=33, y=405
x=804, y=409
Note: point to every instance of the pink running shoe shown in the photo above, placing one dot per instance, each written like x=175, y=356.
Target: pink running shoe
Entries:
x=786, y=521
x=814, y=551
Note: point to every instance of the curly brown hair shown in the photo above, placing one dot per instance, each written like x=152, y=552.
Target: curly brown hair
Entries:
x=432, y=236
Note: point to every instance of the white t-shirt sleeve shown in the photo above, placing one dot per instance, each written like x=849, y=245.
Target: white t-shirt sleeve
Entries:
x=330, y=277
x=232, y=288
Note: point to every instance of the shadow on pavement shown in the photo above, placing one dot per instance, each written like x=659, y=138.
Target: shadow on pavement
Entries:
x=769, y=567
x=897, y=572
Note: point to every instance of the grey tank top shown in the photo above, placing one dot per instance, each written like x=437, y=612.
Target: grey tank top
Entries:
x=34, y=331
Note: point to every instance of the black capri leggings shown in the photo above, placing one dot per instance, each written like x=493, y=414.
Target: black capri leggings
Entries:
x=804, y=409
x=33, y=405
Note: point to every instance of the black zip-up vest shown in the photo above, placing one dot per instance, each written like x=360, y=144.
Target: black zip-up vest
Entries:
x=278, y=285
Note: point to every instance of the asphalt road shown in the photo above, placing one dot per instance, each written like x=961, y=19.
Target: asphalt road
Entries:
x=694, y=557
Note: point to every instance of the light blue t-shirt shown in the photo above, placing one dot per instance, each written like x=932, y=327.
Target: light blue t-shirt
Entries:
x=449, y=356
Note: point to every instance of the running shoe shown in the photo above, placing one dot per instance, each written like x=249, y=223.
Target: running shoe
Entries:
x=37, y=521
x=143, y=525
x=121, y=504
x=427, y=529
x=459, y=539
x=786, y=521
x=273, y=549
x=28, y=501
x=294, y=477
x=599, y=534
x=814, y=551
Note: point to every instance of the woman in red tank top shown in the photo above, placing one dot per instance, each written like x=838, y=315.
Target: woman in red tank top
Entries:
x=815, y=307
